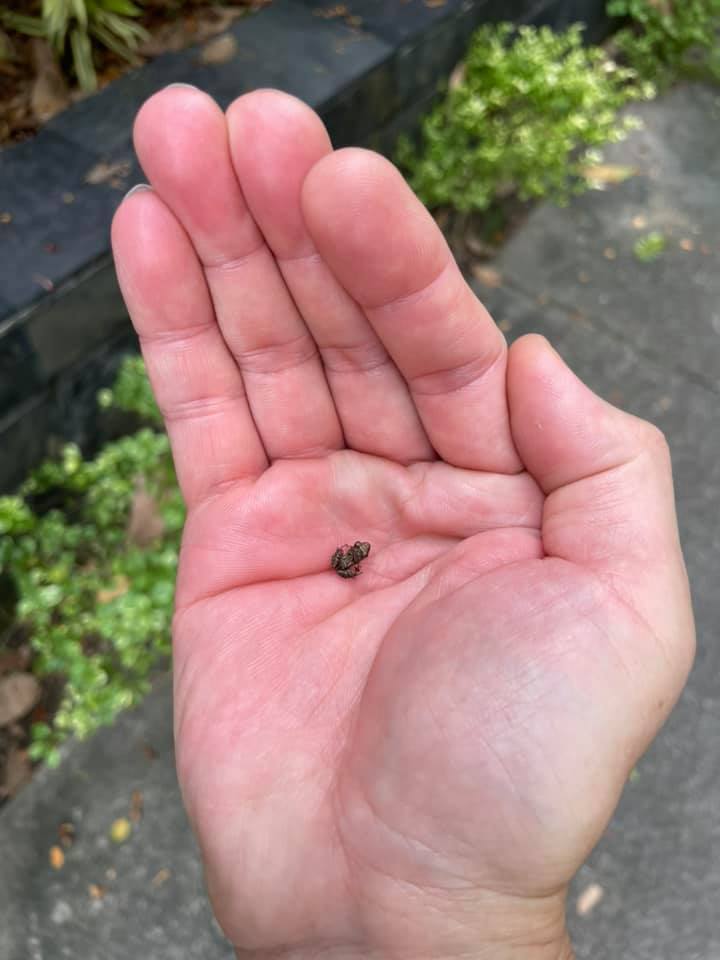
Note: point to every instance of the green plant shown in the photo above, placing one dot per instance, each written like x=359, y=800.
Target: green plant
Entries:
x=75, y=25
x=670, y=38
x=650, y=247
x=527, y=115
x=96, y=603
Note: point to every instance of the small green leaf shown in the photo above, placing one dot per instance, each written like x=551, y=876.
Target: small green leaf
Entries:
x=650, y=247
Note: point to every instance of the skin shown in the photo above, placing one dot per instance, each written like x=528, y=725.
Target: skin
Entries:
x=412, y=763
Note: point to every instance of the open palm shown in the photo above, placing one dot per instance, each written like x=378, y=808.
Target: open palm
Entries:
x=415, y=760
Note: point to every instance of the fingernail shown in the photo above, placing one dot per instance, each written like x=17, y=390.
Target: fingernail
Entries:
x=138, y=188
x=185, y=86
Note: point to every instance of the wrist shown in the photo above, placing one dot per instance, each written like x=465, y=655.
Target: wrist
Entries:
x=560, y=950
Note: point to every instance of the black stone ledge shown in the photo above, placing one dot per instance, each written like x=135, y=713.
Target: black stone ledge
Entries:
x=61, y=315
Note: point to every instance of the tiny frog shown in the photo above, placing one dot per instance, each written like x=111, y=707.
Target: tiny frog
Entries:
x=346, y=560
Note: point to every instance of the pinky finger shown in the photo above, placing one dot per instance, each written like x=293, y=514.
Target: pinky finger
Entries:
x=194, y=377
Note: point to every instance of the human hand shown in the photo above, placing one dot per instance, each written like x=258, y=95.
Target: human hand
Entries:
x=412, y=763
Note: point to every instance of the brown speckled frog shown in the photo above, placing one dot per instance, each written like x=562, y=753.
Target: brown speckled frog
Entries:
x=346, y=560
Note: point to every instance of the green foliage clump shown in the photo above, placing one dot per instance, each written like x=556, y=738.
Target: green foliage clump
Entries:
x=526, y=116
x=668, y=39
x=73, y=26
x=650, y=247
x=132, y=392
x=97, y=604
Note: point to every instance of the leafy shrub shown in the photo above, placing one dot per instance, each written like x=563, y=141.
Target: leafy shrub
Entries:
x=669, y=38
x=526, y=116
x=75, y=25
x=97, y=604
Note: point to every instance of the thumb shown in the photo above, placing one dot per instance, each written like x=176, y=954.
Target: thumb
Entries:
x=609, y=506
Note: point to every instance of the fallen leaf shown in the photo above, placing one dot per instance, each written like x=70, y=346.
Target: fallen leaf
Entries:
x=68, y=198
x=19, y=692
x=120, y=830
x=42, y=281
x=17, y=773
x=161, y=877
x=601, y=175
x=329, y=13
x=610, y=253
x=95, y=891
x=219, y=50
x=49, y=93
x=435, y=3
x=136, y=806
x=488, y=276
x=57, y=858
x=639, y=222
x=589, y=899
x=457, y=77
x=12, y=661
x=145, y=523
x=584, y=276
x=120, y=587
x=106, y=172
x=687, y=244
x=5, y=217
x=66, y=832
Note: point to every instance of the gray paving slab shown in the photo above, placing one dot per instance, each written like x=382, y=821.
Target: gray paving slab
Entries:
x=642, y=335
x=153, y=905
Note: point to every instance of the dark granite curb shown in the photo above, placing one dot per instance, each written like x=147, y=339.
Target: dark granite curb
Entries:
x=63, y=327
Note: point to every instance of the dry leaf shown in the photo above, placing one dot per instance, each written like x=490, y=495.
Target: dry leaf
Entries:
x=136, y=806
x=488, y=276
x=601, y=175
x=687, y=244
x=107, y=172
x=57, y=858
x=589, y=899
x=6, y=217
x=42, y=281
x=219, y=50
x=18, y=772
x=435, y=3
x=639, y=222
x=120, y=587
x=610, y=253
x=19, y=692
x=49, y=94
x=12, y=661
x=329, y=13
x=161, y=877
x=66, y=832
x=95, y=891
x=120, y=830
x=457, y=77
x=145, y=523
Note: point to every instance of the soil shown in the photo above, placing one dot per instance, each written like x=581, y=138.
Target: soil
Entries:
x=33, y=87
